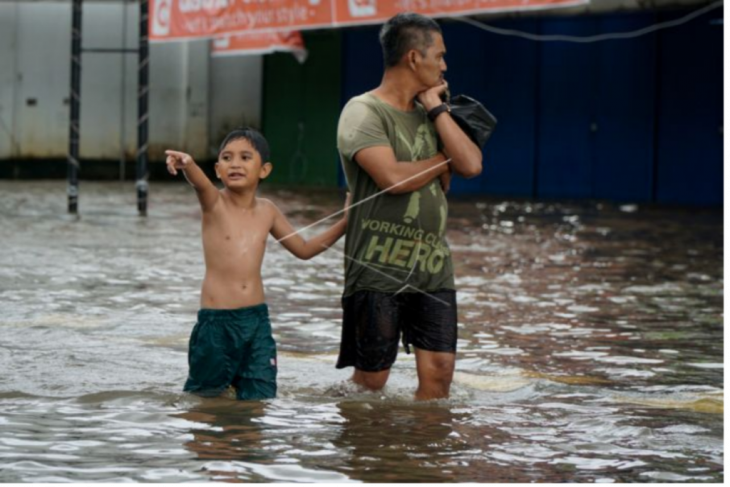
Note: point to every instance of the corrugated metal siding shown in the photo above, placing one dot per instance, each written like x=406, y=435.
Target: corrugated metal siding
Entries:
x=477, y=64
x=690, y=116
x=629, y=120
x=623, y=158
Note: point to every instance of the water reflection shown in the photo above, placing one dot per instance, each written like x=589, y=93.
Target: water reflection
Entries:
x=590, y=349
x=400, y=442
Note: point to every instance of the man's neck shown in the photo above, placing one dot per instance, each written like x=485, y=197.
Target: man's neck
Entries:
x=397, y=90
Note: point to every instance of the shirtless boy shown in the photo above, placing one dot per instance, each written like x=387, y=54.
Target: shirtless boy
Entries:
x=231, y=343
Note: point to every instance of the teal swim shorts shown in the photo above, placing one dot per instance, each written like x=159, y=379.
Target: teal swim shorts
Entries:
x=232, y=348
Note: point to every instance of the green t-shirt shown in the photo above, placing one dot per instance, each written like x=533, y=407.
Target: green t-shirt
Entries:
x=394, y=243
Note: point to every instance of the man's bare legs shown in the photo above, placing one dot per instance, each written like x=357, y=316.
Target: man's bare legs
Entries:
x=435, y=373
x=373, y=381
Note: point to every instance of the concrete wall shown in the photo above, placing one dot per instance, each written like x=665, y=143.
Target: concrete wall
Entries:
x=8, y=75
x=193, y=98
x=236, y=96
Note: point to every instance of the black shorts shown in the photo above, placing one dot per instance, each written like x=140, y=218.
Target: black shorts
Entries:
x=373, y=322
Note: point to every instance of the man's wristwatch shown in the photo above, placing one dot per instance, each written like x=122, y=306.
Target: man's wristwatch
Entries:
x=438, y=110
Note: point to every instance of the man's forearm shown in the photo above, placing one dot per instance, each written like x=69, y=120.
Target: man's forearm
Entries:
x=411, y=176
x=466, y=157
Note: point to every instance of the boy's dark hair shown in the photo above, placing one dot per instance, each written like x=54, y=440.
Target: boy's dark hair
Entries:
x=255, y=137
x=404, y=32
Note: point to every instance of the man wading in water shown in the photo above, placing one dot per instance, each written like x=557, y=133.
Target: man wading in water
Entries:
x=399, y=140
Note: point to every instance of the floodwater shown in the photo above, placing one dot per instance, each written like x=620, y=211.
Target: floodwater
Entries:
x=590, y=349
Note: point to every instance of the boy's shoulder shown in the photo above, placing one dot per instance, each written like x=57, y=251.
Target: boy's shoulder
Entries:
x=265, y=202
x=266, y=205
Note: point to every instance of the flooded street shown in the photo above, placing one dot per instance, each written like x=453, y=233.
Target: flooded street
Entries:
x=590, y=349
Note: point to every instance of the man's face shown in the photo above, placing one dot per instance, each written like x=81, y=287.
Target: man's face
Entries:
x=431, y=68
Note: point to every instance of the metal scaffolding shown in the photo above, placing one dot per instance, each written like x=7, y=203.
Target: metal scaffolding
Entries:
x=74, y=165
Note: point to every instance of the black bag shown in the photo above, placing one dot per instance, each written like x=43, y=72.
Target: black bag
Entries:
x=473, y=118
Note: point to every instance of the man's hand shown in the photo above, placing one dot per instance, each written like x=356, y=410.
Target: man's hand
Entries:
x=431, y=98
x=465, y=156
x=446, y=180
x=177, y=160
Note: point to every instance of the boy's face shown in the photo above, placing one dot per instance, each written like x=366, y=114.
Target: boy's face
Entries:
x=240, y=166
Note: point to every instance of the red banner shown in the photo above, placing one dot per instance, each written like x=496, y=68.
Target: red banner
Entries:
x=172, y=20
x=358, y=12
x=260, y=43
x=195, y=19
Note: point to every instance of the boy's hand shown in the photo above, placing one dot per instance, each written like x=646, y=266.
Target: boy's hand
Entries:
x=348, y=201
x=177, y=160
x=445, y=179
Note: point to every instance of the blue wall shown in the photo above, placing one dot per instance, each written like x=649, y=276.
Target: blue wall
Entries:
x=628, y=120
x=690, y=114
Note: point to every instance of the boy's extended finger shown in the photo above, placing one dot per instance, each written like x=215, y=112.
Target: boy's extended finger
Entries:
x=179, y=155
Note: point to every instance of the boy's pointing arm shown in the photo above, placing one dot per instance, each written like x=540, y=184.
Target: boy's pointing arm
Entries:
x=208, y=194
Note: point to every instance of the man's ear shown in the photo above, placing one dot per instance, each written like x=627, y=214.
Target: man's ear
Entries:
x=266, y=169
x=412, y=58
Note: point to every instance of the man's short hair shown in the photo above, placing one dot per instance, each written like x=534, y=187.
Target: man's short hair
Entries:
x=404, y=32
x=255, y=137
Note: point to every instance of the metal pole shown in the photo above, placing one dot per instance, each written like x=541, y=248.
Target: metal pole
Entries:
x=143, y=90
x=73, y=139
x=123, y=102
